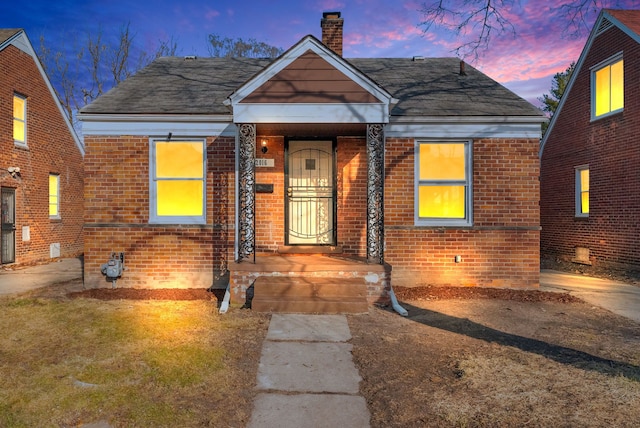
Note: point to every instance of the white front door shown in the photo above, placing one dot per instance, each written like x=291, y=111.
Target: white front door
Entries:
x=310, y=203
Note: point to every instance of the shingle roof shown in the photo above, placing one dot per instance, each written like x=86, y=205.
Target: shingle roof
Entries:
x=426, y=87
x=6, y=33
x=630, y=18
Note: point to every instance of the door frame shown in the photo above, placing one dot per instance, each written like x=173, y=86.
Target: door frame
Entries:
x=334, y=192
x=5, y=228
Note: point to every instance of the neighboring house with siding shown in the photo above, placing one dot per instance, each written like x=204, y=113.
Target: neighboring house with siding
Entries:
x=41, y=162
x=389, y=170
x=590, y=154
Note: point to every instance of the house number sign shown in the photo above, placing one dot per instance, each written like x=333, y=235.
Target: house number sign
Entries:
x=268, y=163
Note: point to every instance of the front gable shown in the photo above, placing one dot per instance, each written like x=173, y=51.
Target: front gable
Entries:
x=310, y=84
x=628, y=22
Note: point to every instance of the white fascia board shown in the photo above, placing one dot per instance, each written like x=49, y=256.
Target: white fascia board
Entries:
x=311, y=113
x=466, y=127
x=312, y=44
x=186, y=126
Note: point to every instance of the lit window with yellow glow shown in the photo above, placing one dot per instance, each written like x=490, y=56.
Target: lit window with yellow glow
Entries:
x=582, y=191
x=178, y=182
x=443, y=195
x=19, y=120
x=608, y=88
x=54, y=196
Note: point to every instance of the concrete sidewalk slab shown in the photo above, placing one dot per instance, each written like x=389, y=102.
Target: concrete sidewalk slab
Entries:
x=308, y=367
x=617, y=297
x=318, y=328
x=307, y=375
x=309, y=411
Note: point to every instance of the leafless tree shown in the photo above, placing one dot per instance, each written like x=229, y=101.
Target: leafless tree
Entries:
x=251, y=48
x=476, y=23
x=92, y=65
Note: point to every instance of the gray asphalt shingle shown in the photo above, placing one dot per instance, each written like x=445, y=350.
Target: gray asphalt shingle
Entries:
x=427, y=87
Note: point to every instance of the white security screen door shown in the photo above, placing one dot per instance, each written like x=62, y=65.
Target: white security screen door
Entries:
x=310, y=202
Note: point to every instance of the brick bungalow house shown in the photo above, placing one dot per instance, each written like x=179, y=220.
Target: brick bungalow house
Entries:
x=376, y=170
x=41, y=162
x=589, y=156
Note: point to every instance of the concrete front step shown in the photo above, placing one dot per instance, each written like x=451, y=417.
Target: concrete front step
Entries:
x=309, y=295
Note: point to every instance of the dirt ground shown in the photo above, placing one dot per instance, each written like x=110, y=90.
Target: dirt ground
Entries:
x=479, y=357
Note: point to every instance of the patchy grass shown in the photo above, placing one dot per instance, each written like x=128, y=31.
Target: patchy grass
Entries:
x=498, y=363
x=129, y=363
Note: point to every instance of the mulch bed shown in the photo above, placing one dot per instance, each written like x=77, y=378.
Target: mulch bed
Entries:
x=402, y=293
x=447, y=293
x=149, y=294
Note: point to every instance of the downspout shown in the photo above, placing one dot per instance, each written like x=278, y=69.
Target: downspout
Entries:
x=395, y=305
x=224, y=306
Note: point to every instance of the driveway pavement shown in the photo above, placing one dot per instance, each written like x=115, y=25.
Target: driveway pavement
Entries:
x=617, y=297
x=20, y=280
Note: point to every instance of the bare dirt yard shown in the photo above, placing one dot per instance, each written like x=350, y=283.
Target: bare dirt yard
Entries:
x=470, y=357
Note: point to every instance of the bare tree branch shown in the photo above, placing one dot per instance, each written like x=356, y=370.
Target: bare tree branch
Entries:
x=475, y=23
x=486, y=18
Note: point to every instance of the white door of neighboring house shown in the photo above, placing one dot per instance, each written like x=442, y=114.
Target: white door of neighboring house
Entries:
x=8, y=225
x=310, y=196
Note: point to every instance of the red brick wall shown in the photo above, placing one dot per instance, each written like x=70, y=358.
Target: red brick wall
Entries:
x=352, y=196
x=611, y=148
x=351, y=181
x=117, y=218
x=501, y=249
x=51, y=150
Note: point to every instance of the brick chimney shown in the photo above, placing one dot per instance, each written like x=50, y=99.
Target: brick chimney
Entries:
x=331, y=25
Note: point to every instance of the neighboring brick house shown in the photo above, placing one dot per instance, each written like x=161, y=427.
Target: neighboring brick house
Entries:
x=421, y=170
x=590, y=154
x=41, y=162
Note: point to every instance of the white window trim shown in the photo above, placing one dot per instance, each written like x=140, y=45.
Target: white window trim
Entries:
x=578, y=192
x=20, y=143
x=154, y=218
x=607, y=62
x=468, y=182
x=58, y=216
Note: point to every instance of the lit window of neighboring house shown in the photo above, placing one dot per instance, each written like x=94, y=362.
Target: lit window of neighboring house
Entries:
x=443, y=185
x=607, y=81
x=19, y=120
x=54, y=196
x=582, y=191
x=177, y=182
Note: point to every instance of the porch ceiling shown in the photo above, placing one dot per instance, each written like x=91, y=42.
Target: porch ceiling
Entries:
x=312, y=129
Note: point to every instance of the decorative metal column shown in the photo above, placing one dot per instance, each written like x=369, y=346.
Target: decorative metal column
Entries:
x=247, y=191
x=375, y=193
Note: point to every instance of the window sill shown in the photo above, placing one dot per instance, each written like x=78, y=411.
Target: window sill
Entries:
x=606, y=115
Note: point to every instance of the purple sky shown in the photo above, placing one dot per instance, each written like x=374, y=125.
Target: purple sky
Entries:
x=372, y=28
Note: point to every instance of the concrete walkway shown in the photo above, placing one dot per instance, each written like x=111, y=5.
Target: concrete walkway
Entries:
x=23, y=279
x=306, y=376
x=617, y=297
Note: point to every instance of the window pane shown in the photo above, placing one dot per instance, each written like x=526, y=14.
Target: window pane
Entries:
x=442, y=201
x=180, y=198
x=442, y=161
x=584, y=203
x=584, y=180
x=53, y=195
x=617, y=86
x=18, y=107
x=603, y=94
x=179, y=160
x=18, y=130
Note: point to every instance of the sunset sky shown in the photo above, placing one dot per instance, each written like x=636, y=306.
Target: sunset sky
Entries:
x=525, y=63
